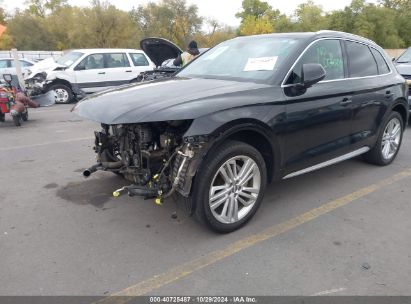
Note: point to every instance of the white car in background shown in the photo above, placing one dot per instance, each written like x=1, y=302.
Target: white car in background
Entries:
x=7, y=66
x=88, y=71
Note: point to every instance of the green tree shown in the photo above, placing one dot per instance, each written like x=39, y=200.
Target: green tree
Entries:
x=252, y=25
x=102, y=25
x=170, y=19
x=310, y=17
x=41, y=8
x=29, y=32
x=255, y=8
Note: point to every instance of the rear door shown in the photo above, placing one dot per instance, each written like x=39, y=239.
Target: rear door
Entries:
x=118, y=69
x=318, y=120
x=371, y=91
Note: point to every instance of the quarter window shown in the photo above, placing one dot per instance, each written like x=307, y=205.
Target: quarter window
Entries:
x=328, y=53
x=381, y=63
x=117, y=60
x=360, y=60
x=139, y=59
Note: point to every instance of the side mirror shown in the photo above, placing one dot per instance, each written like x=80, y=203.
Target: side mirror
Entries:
x=393, y=59
x=7, y=78
x=312, y=73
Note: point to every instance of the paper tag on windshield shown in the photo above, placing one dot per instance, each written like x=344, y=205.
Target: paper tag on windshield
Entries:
x=260, y=64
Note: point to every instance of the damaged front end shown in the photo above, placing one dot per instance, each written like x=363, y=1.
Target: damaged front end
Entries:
x=154, y=156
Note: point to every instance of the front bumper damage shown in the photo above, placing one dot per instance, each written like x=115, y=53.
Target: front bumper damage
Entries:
x=175, y=174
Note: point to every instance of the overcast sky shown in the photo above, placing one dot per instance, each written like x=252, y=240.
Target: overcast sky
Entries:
x=222, y=10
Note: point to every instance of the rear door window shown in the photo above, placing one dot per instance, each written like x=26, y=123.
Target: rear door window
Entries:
x=381, y=63
x=328, y=53
x=139, y=59
x=116, y=60
x=361, y=62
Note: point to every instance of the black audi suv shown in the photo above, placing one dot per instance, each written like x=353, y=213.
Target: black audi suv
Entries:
x=251, y=111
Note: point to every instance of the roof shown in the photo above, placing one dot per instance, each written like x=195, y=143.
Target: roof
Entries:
x=308, y=35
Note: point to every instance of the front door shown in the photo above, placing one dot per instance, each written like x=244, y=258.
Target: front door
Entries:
x=90, y=73
x=319, y=119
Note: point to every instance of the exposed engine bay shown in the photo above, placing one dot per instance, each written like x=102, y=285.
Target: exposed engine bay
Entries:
x=153, y=156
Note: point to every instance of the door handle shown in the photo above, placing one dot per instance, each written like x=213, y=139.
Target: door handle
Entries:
x=128, y=71
x=101, y=73
x=346, y=101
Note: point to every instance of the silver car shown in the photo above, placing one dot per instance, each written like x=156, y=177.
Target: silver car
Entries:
x=7, y=66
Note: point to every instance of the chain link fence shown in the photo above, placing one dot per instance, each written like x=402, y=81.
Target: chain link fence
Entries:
x=32, y=55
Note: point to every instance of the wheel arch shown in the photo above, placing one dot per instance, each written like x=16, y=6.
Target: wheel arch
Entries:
x=400, y=106
x=256, y=134
x=60, y=81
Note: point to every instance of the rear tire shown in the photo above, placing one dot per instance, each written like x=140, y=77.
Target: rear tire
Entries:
x=64, y=94
x=388, y=143
x=229, y=187
x=2, y=117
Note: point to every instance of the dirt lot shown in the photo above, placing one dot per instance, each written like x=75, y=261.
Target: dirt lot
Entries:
x=344, y=230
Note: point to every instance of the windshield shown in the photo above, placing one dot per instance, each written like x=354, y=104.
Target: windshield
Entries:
x=251, y=59
x=69, y=58
x=405, y=57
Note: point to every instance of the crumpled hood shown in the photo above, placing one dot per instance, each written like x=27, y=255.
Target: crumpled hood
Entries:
x=47, y=65
x=171, y=99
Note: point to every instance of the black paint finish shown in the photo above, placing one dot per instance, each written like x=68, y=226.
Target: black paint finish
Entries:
x=304, y=127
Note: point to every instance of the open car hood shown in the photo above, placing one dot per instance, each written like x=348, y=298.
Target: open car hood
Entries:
x=159, y=49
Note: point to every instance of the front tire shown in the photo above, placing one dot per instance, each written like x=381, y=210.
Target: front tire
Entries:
x=64, y=94
x=388, y=143
x=230, y=186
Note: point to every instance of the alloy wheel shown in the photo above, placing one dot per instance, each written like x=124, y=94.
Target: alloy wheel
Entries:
x=391, y=138
x=234, y=189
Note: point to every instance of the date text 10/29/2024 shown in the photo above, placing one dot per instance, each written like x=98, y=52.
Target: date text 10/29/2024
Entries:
x=203, y=299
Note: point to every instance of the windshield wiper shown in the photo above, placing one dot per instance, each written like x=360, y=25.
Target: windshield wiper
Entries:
x=403, y=61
